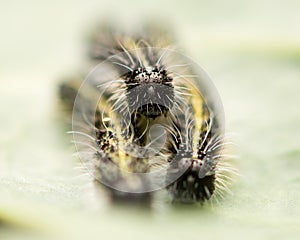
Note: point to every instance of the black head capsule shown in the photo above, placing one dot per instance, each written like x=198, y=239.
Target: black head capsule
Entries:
x=193, y=183
x=149, y=91
x=190, y=187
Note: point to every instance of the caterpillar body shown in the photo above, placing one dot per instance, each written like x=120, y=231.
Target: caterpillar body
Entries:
x=146, y=119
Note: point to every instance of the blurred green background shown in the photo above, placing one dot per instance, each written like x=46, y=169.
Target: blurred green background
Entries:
x=251, y=49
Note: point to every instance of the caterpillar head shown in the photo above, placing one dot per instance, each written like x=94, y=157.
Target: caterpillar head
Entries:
x=192, y=185
x=149, y=91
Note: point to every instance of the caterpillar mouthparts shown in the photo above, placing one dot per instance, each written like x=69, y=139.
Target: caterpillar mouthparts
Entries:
x=148, y=118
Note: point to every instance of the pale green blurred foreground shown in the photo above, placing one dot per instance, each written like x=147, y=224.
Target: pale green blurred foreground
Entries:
x=251, y=49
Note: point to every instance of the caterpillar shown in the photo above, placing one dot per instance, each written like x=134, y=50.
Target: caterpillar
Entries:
x=147, y=118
